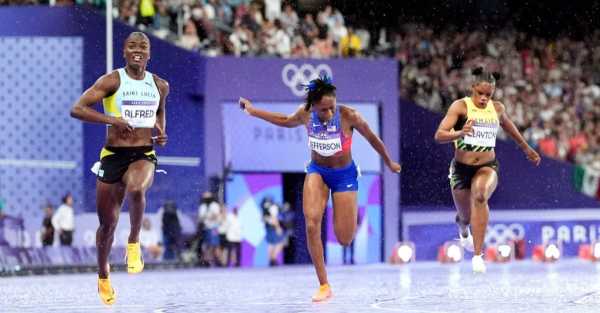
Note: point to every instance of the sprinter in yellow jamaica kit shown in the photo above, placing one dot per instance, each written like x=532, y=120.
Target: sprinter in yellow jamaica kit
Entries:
x=472, y=123
x=134, y=106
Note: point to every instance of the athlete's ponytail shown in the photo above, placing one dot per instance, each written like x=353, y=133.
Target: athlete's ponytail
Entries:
x=480, y=75
x=317, y=89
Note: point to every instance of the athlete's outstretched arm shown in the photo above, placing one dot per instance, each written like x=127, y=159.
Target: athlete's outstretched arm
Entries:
x=103, y=87
x=359, y=123
x=279, y=119
x=444, y=133
x=161, y=113
x=510, y=128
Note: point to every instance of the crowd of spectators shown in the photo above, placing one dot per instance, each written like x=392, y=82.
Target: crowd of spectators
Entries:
x=246, y=28
x=550, y=86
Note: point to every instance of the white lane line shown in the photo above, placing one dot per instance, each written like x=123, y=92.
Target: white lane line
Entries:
x=32, y=163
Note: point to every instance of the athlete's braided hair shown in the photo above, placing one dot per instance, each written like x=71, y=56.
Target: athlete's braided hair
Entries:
x=317, y=89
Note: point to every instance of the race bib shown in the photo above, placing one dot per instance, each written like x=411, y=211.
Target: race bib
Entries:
x=139, y=114
x=325, y=147
x=482, y=136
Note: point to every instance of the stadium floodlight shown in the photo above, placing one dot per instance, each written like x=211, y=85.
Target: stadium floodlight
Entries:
x=454, y=253
x=596, y=251
x=505, y=252
x=552, y=252
x=403, y=252
x=451, y=252
x=547, y=252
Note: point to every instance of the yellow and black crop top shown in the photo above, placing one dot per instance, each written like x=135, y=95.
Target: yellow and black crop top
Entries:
x=485, y=128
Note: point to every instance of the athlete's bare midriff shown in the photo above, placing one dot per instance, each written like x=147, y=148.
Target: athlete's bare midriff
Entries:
x=140, y=137
x=337, y=161
x=474, y=158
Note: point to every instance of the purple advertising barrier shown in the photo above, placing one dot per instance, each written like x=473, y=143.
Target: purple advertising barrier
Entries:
x=9, y=257
x=273, y=80
x=571, y=227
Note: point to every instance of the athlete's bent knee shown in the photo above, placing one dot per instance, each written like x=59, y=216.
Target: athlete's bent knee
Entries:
x=137, y=192
x=479, y=196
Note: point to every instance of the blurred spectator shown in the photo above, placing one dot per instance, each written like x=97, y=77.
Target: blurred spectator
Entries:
x=146, y=12
x=289, y=20
x=234, y=238
x=224, y=16
x=128, y=12
x=162, y=21
x=64, y=220
x=171, y=229
x=323, y=17
x=278, y=41
x=274, y=231
x=322, y=47
x=47, y=231
x=299, y=49
x=198, y=243
x=8, y=224
x=209, y=214
x=240, y=40
x=150, y=239
x=308, y=29
x=64, y=2
x=210, y=10
x=253, y=18
x=350, y=44
x=338, y=31
x=365, y=38
x=272, y=9
x=286, y=219
x=189, y=39
x=222, y=229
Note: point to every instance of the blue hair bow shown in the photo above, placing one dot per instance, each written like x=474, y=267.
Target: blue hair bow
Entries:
x=312, y=85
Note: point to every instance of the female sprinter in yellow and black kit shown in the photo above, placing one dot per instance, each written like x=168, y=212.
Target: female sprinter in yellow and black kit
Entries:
x=134, y=105
x=472, y=124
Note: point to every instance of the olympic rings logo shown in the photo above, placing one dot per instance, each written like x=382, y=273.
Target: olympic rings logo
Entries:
x=294, y=77
x=502, y=233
